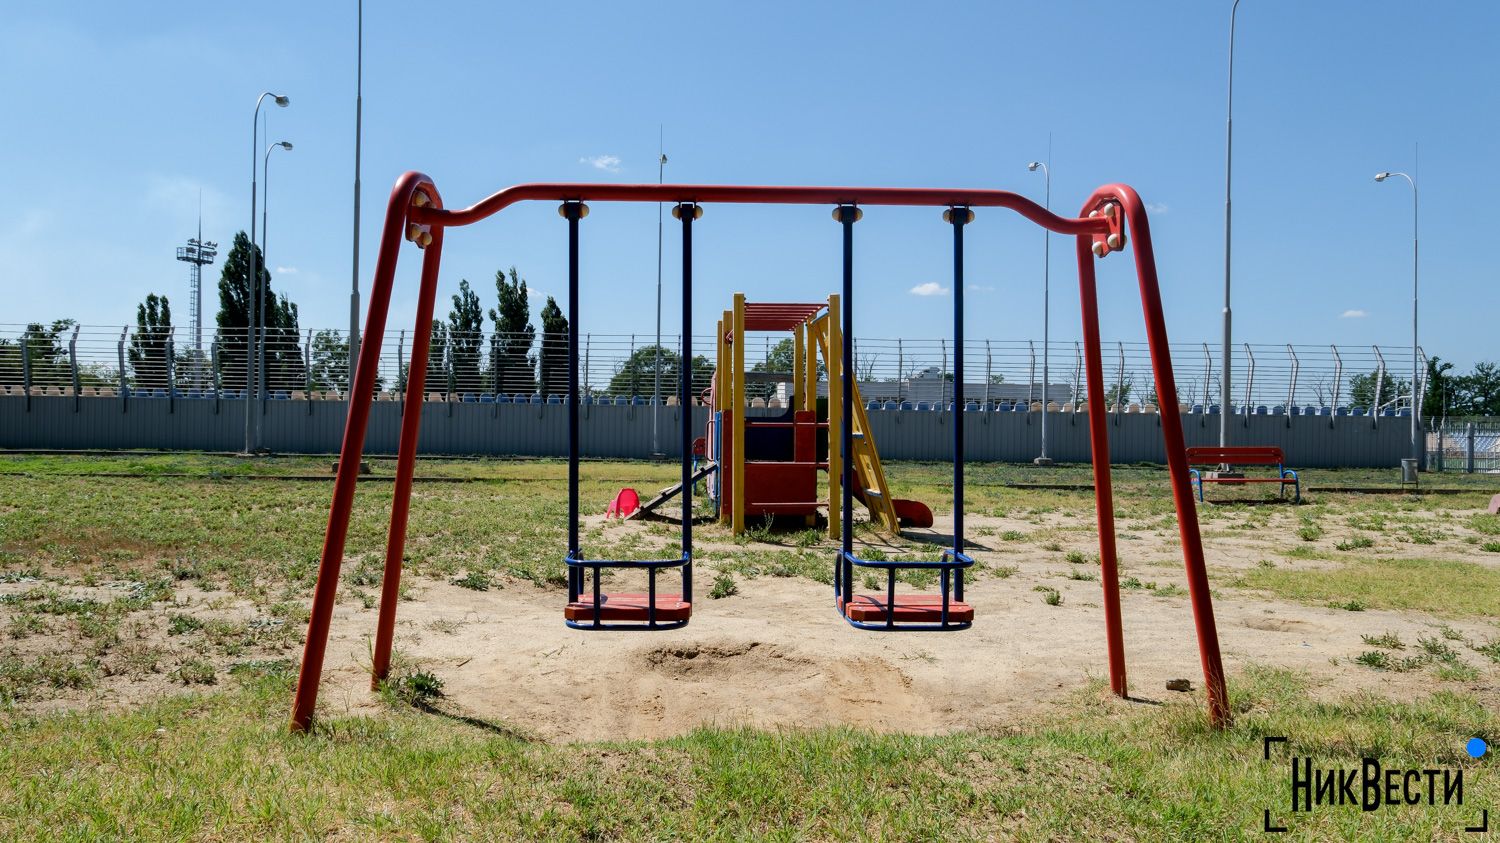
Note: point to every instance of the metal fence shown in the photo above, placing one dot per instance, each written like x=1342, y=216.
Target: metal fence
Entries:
x=1464, y=445
x=487, y=366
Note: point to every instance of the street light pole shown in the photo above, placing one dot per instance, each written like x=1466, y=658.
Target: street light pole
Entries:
x=253, y=284
x=265, y=237
x=661, y=169
x=1416, y=445
x=359, y=111
x=1043, y=459
x=1225, y=376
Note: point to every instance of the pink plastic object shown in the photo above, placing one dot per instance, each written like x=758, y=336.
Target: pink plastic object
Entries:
x=625, y=503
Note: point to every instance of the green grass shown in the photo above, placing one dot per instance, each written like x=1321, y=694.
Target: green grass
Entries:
x=1446, y=588
x=724, y=586
x=221, y=766
x=214, y=761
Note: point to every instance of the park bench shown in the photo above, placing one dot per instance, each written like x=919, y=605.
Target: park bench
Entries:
x=1244, y=455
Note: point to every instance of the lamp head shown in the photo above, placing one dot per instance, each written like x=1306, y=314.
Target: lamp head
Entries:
x=285, y=145
x=283, y=101
x=1382, y=176
x=1033, y=166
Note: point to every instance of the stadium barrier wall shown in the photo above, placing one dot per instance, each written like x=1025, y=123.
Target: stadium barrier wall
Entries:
x=624, y=432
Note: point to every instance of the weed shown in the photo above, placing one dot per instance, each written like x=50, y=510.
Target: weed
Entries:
x=1050, y=596
x=1450, y=633
x=807, y=538
x=1086, y=576
x=1135, y=583
x=1076, y=557
x=1052, y=546
x=1490, y=547
x=724, y=586
x=415, y=688
x=1309, y=532
x=1491, y=649
x=473, y=580
x=1457, y=671
x=1168, y=590
x=1348, y=605
x=182, y=624
x=195, y=672
x=1004, y=571
x=26, y=624
x=1355, y=543
x=1013, y=536
x=1374, y=658
x=1437, y=649
x=1385, y=641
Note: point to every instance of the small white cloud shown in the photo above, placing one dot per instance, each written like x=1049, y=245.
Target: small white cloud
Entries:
x=286, y=270
x=1353, y=314
x=982, y=288
x=607, y=163
x=931, y=288
x=1156, y=207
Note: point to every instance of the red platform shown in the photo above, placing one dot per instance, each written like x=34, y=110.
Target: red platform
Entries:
x=910, y=608
x=629, y=607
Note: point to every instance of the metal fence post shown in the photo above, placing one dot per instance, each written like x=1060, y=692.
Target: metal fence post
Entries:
x=307, y=370
x=216, y=376
x=1338, y=383
x=124, y=387
x=989, y=378
x=1379, y=384
x=1291, y=390
x=1441, y=431
x=1469, y=449
x=1249, y=407
x=73, y=364
x=900, y=371
x=169, y=357
x=26, y=369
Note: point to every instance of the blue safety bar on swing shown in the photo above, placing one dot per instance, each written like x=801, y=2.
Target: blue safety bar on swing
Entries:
x=947, y=611
x=592, y=608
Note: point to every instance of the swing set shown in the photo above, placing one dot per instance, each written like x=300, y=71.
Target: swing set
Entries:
x=415, y=213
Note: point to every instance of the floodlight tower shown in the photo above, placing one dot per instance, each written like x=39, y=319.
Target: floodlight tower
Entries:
x=198, y=254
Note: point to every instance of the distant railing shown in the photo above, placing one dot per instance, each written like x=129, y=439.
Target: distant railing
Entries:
x=1286, y=379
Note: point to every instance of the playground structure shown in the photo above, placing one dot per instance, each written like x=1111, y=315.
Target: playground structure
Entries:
x=415, y=213
x=768, y=466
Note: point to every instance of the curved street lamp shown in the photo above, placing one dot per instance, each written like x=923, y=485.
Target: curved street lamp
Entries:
x=1043, y=459
x=1416, y=447
x=252, y=430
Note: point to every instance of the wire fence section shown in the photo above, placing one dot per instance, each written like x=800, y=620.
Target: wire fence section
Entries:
x=71, y=359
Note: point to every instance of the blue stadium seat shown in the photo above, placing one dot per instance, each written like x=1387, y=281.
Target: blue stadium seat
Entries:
x=1021, y=407
x=971, y=406
x=1404, y=412
x=1213, y=409
x=554, y=398
x=906, y=405
x=467, y=398
x=621, y=401
x=486, y=398
x=924, y=405
x=892, y=405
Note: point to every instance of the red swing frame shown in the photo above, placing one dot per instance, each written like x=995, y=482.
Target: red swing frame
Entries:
x=415, y=213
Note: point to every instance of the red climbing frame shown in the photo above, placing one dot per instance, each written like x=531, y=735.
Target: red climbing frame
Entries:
x=415, y=213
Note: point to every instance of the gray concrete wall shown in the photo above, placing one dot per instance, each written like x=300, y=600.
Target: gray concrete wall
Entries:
x=316, y=427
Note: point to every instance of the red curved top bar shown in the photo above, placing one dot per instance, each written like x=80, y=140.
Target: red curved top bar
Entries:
x=772, y=194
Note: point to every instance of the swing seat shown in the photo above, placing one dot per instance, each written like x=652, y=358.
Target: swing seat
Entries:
x=908, y=608
x=631, y=607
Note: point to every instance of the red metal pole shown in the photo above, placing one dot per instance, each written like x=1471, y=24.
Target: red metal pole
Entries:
x=1104, y=504
x=406, y=461
x=1171, y=431
x=326, y=589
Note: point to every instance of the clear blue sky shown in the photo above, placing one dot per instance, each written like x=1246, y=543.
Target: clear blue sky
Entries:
x=118, y=114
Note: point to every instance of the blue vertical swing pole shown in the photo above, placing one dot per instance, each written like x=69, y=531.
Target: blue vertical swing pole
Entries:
x=688, y=212
x=959, y=217
x=847, y=216
x=571, y=212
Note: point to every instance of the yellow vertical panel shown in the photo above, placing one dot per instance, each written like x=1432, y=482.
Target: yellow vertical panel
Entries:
x=835, y=418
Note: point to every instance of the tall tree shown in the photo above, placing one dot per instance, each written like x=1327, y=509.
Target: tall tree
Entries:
x=511, y=365
x=553, y=365
x=1479, y=391
x=1362, y=389
x=439, y=360
x=1438, y=392
x=149, y=344
x=466, y=338
x=635, y=374
x=47, y=349
x=284, y=365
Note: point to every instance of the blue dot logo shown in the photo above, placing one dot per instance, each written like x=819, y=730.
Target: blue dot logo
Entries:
x=1476, y=747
